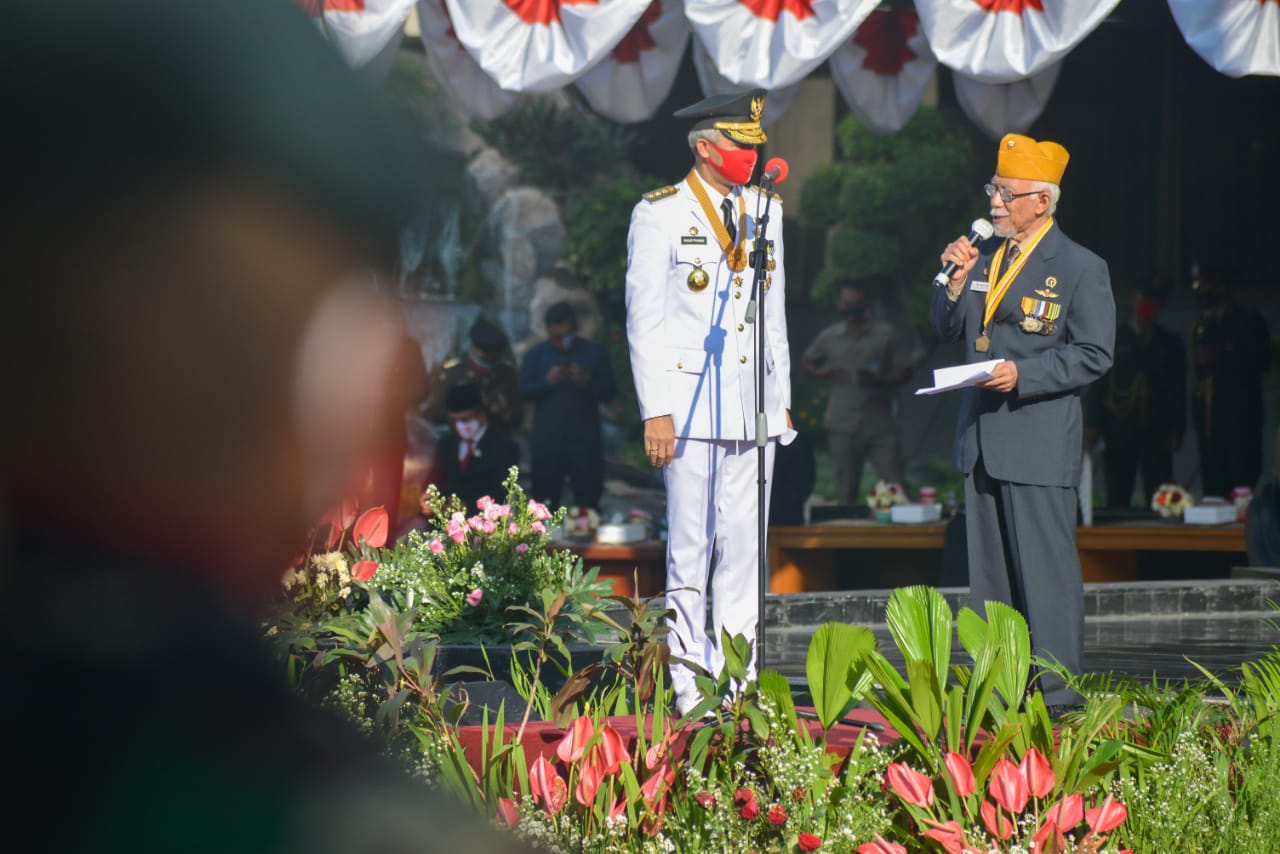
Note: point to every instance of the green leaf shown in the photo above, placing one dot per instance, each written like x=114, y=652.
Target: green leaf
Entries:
x=829, y=665
x=919, y=620
x=777, y=690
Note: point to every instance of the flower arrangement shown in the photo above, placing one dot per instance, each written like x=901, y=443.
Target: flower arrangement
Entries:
x=1170, y=500
x=320, y=581
x=465, y=574
x=885, y=495
x=581, y=523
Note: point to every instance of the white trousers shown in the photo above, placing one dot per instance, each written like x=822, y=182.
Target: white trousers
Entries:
x=711, y=511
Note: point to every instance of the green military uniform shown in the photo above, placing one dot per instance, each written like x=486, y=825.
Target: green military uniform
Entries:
x=498, y=381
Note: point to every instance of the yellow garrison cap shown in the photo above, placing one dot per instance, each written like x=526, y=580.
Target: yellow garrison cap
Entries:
x=1023, y=157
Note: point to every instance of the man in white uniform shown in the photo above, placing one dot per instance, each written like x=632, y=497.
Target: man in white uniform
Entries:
x=693, y=355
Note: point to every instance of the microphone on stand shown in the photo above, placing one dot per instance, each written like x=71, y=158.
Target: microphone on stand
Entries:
x=979, y=230
x=775, y=172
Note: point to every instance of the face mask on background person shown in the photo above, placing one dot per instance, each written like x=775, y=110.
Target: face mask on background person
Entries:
x=467, y=429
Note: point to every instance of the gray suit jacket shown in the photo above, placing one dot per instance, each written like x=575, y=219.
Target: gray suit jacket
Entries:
x=1033, y=435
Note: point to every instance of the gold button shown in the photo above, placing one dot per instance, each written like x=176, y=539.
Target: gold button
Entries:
x=741, y=327
x=742, y=359
x=679, y=366
x=737, y=294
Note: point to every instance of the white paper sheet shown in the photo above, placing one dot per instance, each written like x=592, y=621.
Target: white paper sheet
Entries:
x=960, y=376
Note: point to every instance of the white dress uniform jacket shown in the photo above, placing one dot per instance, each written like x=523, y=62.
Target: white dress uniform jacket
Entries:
x=693, y=354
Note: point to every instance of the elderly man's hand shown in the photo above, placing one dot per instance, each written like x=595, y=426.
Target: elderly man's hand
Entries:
x=964, y=255
x=1004, y=378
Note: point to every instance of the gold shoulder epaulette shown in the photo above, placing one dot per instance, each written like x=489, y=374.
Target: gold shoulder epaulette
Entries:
x=450, y=364
x=773, y=195
x=659, y=194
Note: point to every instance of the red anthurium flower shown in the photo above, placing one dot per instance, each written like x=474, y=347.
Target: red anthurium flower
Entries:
x=508, y=813
x=656, y=786
x=947, y=834
x=335, y=536
x=809, y=842
x=706, y=800
x=1107, y=817
x=1008, y=787
x=910, y=785
x=1049, y=839
x=372, y=527
x=345, y=513
x=363, y=570
x=658, y=751
x=1066, y=813
x=574, y=744
x=613, y=750
x=1038, y=773
x=546, y=786
x=590, y=776
x=749, y=810
x=619, y=809
x=743, y=796
x=777, y=815
x=880, y=845
x=998, y=825
x=961, y=772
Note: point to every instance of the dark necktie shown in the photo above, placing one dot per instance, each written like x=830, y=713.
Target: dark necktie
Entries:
x=730, y=223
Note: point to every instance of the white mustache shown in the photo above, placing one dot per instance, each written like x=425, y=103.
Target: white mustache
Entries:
x=996, y=214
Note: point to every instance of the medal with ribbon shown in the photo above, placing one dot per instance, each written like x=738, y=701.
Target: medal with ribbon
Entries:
x=735, y=253
x=1003, y=283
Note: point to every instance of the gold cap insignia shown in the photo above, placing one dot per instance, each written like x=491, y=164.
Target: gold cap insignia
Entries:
x=757, y=108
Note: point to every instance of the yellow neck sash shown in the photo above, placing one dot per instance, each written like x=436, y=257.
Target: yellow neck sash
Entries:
x=737, y=255
x=1001, y=287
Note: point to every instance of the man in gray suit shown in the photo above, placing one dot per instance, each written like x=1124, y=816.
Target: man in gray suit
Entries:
x=1043, y=304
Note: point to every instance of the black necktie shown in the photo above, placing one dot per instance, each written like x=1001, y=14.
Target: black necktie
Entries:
x=730, y=223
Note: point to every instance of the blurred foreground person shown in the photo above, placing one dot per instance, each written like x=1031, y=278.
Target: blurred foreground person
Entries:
x=196, y=382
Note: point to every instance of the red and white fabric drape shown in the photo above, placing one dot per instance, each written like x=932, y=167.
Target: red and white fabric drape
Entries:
x=713, y=83
x=464, y=83
x=360, y=29
x=773, y=43
x=1236, y=37
x=633, y=80
x=541, y=45
x=884, y=70
x=1000, y=108
x=1002, y=41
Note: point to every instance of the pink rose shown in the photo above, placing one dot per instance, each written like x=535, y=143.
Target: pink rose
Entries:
x=522, y=548
x=539, y=511
x=504, y=510
x=488, y=527
x=436, y=546
x=456, y=530
x=513, y=529
x=484, y=503
x=475, y=597
x=476, y=523
x=538, y=528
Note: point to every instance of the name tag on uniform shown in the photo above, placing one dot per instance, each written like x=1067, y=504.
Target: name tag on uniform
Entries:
x=686, y=240
x=980, y=287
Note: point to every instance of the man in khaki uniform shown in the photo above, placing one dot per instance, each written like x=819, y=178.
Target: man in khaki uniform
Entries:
x=865, y=360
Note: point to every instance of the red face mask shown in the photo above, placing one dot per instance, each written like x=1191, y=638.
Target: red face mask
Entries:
x=1146, y=309
x=736, y=164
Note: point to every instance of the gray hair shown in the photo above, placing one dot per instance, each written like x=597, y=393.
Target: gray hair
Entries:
x=1054, y=191
x=709, y=134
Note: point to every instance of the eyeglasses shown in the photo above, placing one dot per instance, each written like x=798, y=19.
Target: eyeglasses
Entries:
x=1006, y=195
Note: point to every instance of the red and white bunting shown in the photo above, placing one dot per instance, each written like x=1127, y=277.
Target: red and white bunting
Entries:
x=1236, y=37
x=1001, y=41
x=773, y=43
x=360, y=29
x=1000, y=108
x=633, y=80
x=777, y=103
x=463, y=81
x=884, y=70
x=541, y=45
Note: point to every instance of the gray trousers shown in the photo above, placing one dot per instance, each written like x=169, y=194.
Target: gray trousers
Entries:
x=1022, y=551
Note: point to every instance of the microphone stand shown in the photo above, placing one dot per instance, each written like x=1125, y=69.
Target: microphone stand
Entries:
x=759, y=260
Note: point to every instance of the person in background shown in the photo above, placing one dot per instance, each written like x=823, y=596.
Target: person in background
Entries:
x=203, y=190
x=1230, y=352
x=1139, y=409
x=567, y=377
x=474, y=458
x=485, y=364
x=865, y=360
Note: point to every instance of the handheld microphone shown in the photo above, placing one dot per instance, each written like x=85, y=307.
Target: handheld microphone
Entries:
x=775, y=171
x=979, y=230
